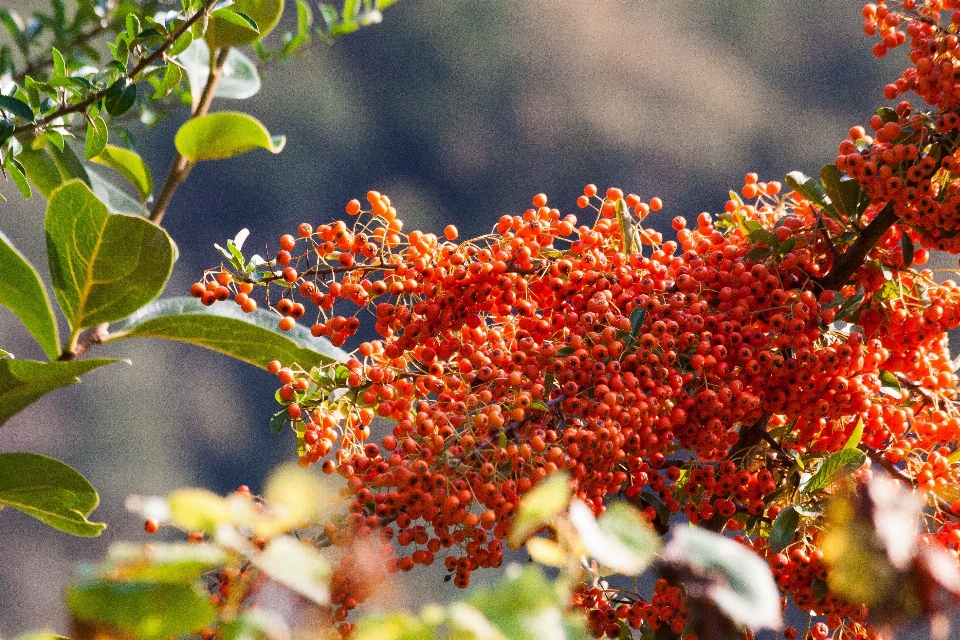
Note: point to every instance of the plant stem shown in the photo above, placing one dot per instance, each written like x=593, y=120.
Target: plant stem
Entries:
x=140, y=66
x=80, y=342
x=181, y=167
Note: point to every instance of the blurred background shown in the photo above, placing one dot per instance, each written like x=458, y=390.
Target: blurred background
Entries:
x=460, y=111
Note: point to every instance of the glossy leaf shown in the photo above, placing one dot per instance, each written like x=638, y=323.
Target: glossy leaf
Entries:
x=856, y=435
x=50, y=491
x=727, y=574
x=49, y=167
x=224, y=135
x=223, y=32
x=18, y=174
x=130, y=165
x=784, y=529
x=17, y=107
x=142, y=609
x=846, y=193
x=97, y=135
x=906, y=247
x=22, y=291
x=838, y=464
x=252, y=337
x=104, y=266
x=198, y=510
x=120, y=97
x=539, y=506
x=23, y=382
x=621, y=539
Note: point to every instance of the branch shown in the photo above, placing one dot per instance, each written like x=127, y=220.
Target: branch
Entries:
x=853, y=258
x=181, y=167
x=90, y=337
x=140, y=66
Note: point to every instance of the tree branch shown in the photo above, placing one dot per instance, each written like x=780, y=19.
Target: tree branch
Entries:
x=853, y=258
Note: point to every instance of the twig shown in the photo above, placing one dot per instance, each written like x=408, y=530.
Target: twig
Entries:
x=181, y=167
x=853, y=258
x=90, y=337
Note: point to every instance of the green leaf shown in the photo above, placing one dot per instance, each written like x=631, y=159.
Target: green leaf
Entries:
x=278, y=419
x=621, y=539
x=17, y=107
x=23, y=382
x=763, y=236
x=838, y=464
x=251, y=337
x=856, y=435
x=539, y=506
x=784, y=529
x=40, y=168
x=128, y=164
x=727, y=573
x=6, y=130
x=22, y=291
x=48, y=490
x=845, y=192
x=116, y=199
x=889, y=382
x=143, y=609
x=104, y=266
x=170, y=563
x=906, y=246
x=812, y=191
x=198, y=509
x=120, y=97
x=223, y=32
x=97, y=135
x=238, y=19
x=18, y=174
x=297, y=566
x=223, y=135
x=849, y=306
x=524, y=606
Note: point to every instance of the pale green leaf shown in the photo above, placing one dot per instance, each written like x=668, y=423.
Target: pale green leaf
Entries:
x=223, y=135
x=22, y=291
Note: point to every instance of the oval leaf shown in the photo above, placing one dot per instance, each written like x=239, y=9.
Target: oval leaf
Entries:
x=142, y=608
x=223, y=31
x=22, y=291
x=251, y=337
x=297, y=566
x=784, y=529
x=17, y=107
x=842, y=462
x=116, y=199
x=223, y=135
x=97, y=135
x=104, y=266
x=50, y=491
x=620, y=539
x=128, y=164
x=23, y=382
x=537, y=508
x=734, y=578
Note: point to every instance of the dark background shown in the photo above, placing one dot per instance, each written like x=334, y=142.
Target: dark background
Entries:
x=460, y=112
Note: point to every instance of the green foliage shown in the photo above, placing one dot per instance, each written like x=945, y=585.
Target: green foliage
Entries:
x=22, y=291
x=224, y=135
x=23, y=382
x=252, y=337
x=128, y=164
x=104, y=266
x=50, y=491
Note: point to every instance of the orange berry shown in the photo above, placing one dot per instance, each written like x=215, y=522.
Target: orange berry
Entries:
x=450, y=232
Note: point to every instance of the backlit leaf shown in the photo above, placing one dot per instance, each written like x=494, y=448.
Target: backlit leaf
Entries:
x=224, y=135
x=48, y=490
x=128, y=164
x=23, y=382
x=539, y=506
x=104, y=266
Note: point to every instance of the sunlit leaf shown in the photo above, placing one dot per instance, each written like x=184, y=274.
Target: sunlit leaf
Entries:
x=50, y=491
x=837, y=465
x=130, y=165
x=539, y=506
x=621, y=539
x=104, y=266
x=251, y=337
x=224, y=135
x=784, y=529
x=221, y=32
x=297, y=566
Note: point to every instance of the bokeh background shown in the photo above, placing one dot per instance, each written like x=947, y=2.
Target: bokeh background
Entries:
x=460, y=111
